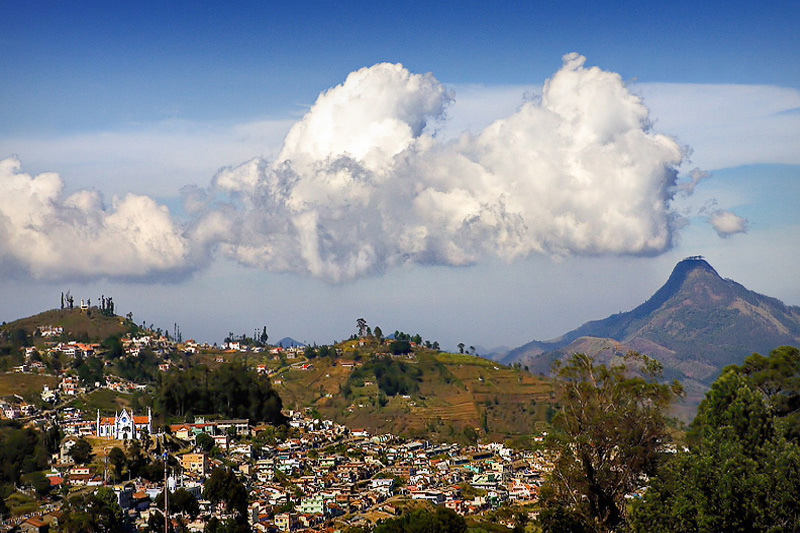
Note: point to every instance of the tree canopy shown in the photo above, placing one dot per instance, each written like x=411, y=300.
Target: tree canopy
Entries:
x=93, y=513
x=610, y=432
x=223, y=487
x=741, y=472
x=440, y=520
x=232, y=391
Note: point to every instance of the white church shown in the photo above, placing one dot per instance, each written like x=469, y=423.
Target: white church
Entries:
x=124, y=426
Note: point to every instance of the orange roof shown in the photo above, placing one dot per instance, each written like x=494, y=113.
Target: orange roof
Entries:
x=140, y=420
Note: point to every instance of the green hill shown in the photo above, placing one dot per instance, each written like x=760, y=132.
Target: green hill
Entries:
x=87, y=326
x=446, y=396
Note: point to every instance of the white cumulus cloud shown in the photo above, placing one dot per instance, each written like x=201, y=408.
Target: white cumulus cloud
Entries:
x=726, y=223
x=361, y=184
x=53, y=236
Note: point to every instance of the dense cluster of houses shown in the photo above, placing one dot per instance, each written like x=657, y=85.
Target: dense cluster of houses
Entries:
x=321, y=475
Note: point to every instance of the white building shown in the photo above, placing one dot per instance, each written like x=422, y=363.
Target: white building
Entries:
x=124, y=426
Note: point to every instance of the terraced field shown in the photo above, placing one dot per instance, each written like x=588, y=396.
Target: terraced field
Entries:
x=458, y=397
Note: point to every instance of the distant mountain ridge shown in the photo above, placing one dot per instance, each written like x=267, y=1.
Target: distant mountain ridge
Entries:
x=288, y=342
x=695, y=324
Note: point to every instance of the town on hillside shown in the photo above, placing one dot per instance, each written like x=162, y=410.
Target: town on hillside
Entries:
x=303, y=473
x=108, y=425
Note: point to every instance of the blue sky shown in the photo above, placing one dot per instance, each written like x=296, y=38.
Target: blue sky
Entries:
x=151, y=98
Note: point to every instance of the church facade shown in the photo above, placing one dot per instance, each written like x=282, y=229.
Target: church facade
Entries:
x=124, y=426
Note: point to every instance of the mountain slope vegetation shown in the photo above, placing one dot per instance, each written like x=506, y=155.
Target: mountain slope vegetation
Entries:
x=696, y=324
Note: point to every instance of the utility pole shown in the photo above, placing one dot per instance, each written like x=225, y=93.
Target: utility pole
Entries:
x=166, y=492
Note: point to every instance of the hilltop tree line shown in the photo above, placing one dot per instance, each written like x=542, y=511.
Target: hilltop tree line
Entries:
x=363, y=330
x=232, y=391
x=106, y=305
x=259, y=339
x=739, y=469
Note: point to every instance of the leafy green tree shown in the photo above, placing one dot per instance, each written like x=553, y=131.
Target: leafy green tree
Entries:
x=740, y=474
x=205, y=442
x=22, y=451
x=223, y=487
x=777, y=378
x=609, y=434
x=181, y=501
x=117, y=459
x=94, y=513
x=52, y=439
x=114, y=347
x=39, y=482
x=229, y=525
x=19, y=338
x=155, y=523
x=440, y=520
x=233, y=391
x=400, y=347
x=81, y=452
x=90, y=370
x=135, y=458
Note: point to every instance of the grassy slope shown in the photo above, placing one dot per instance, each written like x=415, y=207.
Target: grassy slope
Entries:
x=106, y=400
x=456, y=392
x=76, y=324
x=26, y=385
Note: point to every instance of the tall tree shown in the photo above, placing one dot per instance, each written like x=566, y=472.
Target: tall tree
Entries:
x=223, y=488
x=117, y=459
x=610, y=432
x=81, y=451
x=777, y=379
x=740, y=474
x=361, y=324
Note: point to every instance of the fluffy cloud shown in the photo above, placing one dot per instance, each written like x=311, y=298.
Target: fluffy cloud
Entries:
x=362, y=185
x=726, y=223
x=52, y=236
